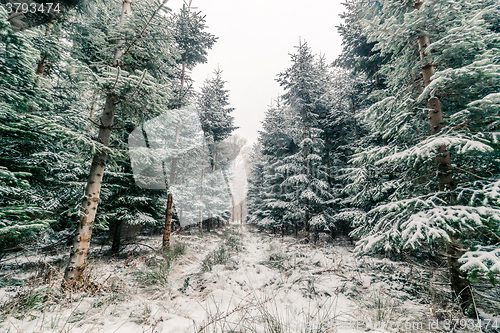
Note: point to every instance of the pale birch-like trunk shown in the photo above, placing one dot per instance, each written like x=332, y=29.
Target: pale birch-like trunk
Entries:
x=460, y=284
x=170, y=198
x=81, y=242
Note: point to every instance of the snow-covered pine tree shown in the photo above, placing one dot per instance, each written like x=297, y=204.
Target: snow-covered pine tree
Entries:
x=267, y=192
x=40, y=137
x=306, y=177
x=132, y=73
x=217, y=124
x=345, y=135
x=256, y=210
x=442, y=210
x=192, y=43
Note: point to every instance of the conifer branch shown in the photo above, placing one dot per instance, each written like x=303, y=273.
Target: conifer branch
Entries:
x=145, y=27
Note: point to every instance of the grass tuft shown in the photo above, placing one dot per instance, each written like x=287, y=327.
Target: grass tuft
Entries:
x=159, y=275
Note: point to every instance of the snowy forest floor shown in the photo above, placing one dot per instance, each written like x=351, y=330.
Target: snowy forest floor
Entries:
x=231, y=280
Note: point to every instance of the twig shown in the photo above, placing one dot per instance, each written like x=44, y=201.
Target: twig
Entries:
x=145, y=27
x=93, y=122
x=117, y=76
x=475, y=309
x=236, y=309
x=142, y=245
x=99, y=289
x=76, y=307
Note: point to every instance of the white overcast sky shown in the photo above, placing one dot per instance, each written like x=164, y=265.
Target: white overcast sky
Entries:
x=255, y=41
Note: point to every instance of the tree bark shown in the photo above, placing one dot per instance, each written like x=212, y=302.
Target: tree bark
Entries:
x=460, y=285
x=170, y=198
x=81, y=242
x=117, y=233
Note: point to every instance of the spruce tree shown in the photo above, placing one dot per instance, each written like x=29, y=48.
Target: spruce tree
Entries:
x=456, y=56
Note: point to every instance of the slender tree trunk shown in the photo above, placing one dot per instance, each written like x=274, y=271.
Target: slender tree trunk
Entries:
x=200, y=225
x=226, y=180
x=117, y=233
x=306, y=168
x=93, y=108
x=328, y=166
x=354, y=118
x=241, y=211
x=170, y=198
x=460, y=285
x=81, y=242
x=210, y=222
x=42, y=63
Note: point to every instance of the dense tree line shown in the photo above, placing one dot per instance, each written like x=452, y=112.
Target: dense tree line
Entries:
x=72, y=90
x=397, y=141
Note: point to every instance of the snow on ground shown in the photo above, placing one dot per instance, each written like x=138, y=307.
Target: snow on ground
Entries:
x=238, y=280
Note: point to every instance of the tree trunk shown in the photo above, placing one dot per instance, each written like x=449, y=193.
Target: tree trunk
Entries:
x=81, y=242
x=306, y=168
x=226, y=180
x=170, y=198
x=168, y=223
x=200, y=226
x=328, y=166
x=460, y=285
x=117, y=233
x=241, y=211
x=40, y=68
x=93, y=108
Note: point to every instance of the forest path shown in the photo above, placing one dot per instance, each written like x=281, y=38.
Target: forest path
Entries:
x=232, y=280
x=268, y=283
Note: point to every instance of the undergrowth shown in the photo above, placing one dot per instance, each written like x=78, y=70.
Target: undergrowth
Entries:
x=159, y=274
x=221, y=255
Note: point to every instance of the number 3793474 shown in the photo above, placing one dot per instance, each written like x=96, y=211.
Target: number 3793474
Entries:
x=18, y=7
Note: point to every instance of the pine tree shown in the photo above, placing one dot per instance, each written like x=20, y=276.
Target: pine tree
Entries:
x=217, y=124
x=192, y=43
x=129, y=80
x=425, y=210
x=306, y=176
x=271, y=207
x=33, y=167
